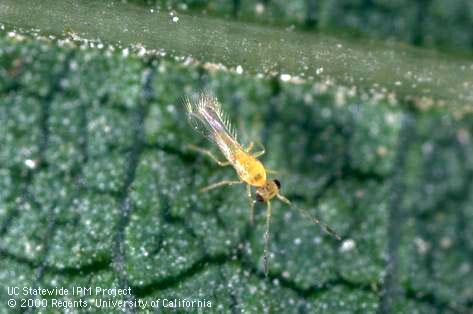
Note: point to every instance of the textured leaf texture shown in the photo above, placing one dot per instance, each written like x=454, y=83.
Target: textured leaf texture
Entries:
x=97, y=188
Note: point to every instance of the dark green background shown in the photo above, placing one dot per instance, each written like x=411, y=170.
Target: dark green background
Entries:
x=113, y=198
x=442, y=24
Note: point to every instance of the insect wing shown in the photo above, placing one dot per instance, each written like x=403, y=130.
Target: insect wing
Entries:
x=205, y=115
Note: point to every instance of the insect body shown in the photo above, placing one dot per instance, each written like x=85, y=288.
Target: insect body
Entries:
x=206, y=116
x=250, y=169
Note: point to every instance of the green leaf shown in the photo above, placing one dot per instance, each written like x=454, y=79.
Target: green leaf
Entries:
x=409, y=73
x=97, y=189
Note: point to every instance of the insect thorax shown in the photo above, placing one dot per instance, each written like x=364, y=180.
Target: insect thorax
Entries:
x=250, y=170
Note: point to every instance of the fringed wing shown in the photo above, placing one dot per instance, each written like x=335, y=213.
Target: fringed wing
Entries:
x=205, y=115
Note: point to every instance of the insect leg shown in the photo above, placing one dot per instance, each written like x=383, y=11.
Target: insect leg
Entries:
x=252, y=204
x=219, y=184
x=250, y=147
x=260, y=152
x=207, y=153
x=266, y=239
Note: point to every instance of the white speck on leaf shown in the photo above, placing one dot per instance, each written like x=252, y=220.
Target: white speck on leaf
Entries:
x=347, y=245
x=259, y=8
x=30, y=163
x=125, y=52
x=285, y=77
x=422, y=245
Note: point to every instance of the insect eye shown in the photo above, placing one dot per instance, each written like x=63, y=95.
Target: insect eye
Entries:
x=259, y=198
x=277, y=183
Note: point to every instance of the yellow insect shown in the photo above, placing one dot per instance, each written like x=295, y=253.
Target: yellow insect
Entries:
x=206, y=116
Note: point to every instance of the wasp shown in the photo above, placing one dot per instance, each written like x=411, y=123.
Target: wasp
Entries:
x=205, y=115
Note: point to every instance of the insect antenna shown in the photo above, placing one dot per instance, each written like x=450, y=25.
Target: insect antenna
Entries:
x=266, y=239
x=307, y=215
